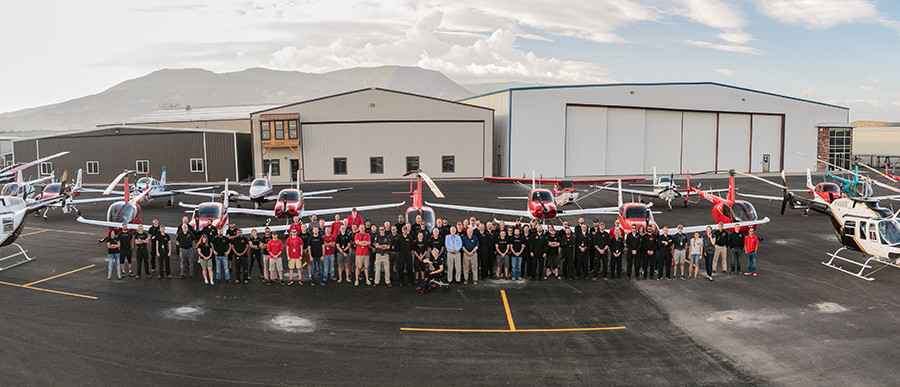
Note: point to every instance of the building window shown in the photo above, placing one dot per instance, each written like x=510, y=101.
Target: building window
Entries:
x=196, y=165
x=448, y=164
x=92, y=167
x=376, y=164
x=292, y=130
x=264, y=132
x=276, y=166
x=340, y=165
x=142, y=166
x=279, y=130
x=46, y=168
x=839, y=147
x=412, y=163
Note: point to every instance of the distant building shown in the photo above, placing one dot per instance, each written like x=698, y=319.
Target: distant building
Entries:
x=877, y=145
x=627, y=129
x=234, y=117
x=372, y=134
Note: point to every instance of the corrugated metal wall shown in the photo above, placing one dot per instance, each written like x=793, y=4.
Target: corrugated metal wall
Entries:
x=734, y=142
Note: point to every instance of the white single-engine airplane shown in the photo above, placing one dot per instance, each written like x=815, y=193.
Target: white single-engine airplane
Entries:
x=663, y=187
x=157, y=188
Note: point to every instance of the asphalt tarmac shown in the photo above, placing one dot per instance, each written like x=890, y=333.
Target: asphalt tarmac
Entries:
x=797, y=323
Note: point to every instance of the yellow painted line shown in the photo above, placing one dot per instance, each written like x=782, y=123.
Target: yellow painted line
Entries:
x=59, y=275
x=572, y=329
x=459, y=330
x=34, y=232
x=49, y=290
x=512, y=326
x=512, y=330
x=55, y=230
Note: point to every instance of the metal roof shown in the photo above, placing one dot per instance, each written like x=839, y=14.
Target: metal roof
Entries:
x=198, y=113
x=159, y=128
x=655, y=84
x=835, y=125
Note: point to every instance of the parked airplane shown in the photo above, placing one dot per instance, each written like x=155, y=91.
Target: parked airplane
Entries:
x=261, y=192
x=158, y=188
x=729, y=210
x=664, y=187
x=128, y=210
x=416, y=207
x=12, y=218
x=563, y=191
x=13, y=170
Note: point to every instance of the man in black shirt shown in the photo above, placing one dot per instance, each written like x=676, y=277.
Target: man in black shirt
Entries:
x=221, y=248
x=633, y=244
x=382, y=244
x=420, y=252
x=162, y=243
x=601, y=251
x=141, y=240
x=126, y=240
x=404, y=255
x=616, y=250
x=230, y=234
x=583, y=245
x=651, y=247
x=735, y=249
x=185, y=239
x=240, y=247
x=256, y=248
x=539, y=254
x=517, y=251
x=666, y=243
x=485, y=250
x=153, y=232
x=567, y=248
x=316, y=244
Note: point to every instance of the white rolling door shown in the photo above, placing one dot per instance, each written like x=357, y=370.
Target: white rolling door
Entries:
x=586, y=140
x=663, y=141
x=698, y=142
x=625, y=141
x=766, y=140
x=734, y=142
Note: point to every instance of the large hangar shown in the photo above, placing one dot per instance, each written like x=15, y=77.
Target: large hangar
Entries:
x=372, y=134
x=628, y=129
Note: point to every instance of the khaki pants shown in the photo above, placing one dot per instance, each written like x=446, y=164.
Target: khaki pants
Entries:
x=265, y=262
x=470, y=264
x=721, y=252
x=453, y=263
x=382, y=263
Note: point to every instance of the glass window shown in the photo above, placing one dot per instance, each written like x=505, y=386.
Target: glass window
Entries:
x=542, y=196
x=292, y=129
x=120, y=213
x=46, y=168
x=279, y=130
x=196, y=165
x=209, y=211
x=340, y=165
x=265, y=132
x=10, y=189
x=637, y=212
x=850, y=228
x=412, y=163
x=289, y=195
x=448, y=164
x=92, y=167
x=376, y=164
x=259, y=183
x=890, y=231
x=142, y=166
x=276, y=166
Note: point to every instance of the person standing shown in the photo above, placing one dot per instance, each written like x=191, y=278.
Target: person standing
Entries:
x=153, y=231
x=328, y=259
x=420, y=254
x=126, y=246
x=342, y=253
x=221, y=247
x=353, y=219
x=517, y=248
x=163, y=247
x=720, y=250
x=736, y=249
x=185, y=240
x=616, y=250
x=696, y=254
x=453, y=244
x=601, y=250
x=539, y=254
x=664, y=260
x=679, y=244
x=470, y=247
x=230, y=234
x=112, y=254
x=633, y=244
x=141, y=240
x=552, y=254
x=393, y=255
x=583, y=244
x=256, y=248
x=567, y=248
x=362, y=242
x=751, y=244
x=275, y=248
x=382, y=245
x=709, y=248
x=264, y=242
x=205, y=255
x=240, y=247
x=485, y=250
x=501, y=249
x=316, y=249
x=404, y=251
x=294, y=245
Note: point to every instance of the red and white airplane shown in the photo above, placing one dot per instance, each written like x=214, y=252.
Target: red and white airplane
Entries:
x=563, y=191
x=729, y=210
x=128, y=210
x=663, y=187
x=261, y=192
x=417, y=208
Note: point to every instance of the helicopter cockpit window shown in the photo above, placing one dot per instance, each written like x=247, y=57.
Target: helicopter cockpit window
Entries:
x=850, y=228
x=427, y=216
x=726, y=212
x=120, y=213
x=890, y=231
x=863, y=189
x=542, y=196
x=10, y=189
x=744, y=212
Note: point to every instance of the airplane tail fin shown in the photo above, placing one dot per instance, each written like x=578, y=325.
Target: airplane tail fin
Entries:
x=655, y=180
x=19, y=177
x=298, y=178
x=162, y=177
x=78, y=179
x=621, y=202
x=225, y=203
x=809, y=183
x=269, y=174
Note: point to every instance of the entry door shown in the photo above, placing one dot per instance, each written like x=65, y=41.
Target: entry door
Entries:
x=295, y=166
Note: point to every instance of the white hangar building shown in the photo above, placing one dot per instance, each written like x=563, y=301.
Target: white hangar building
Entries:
x=627, y=129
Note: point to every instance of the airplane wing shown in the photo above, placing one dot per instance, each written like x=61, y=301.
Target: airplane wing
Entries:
x=186, y=190
x=81, y=219
x=765, y=197
x=498, y=211
x=592, y=211
x=631, y=191
x=204, y=194
x=888, y=197
x=586, y=181
x=327, y=191
x=13, y=171
x=95, y=200
x=727, y=226
x=328, y=211
x=556, y=181
x=234, y=210
x=35, y=205
x=192, y=206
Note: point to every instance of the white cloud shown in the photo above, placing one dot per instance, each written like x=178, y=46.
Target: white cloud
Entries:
x=741, y=49
x=726, y=72
x=823, y=14
x=722, y=16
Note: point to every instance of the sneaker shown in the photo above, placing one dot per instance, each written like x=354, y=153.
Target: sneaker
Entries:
x=130, y=273
x=281, y=283
x=212, y=283
x=206, y=281
x=246, y=282
x=473, y=283
x=376, y=285
x=368, y=283
x=747, y=273
x=268, y=283
x=390, y=286
x=356, y=283
x=323, y=283
x=754, y=274
x=300, y=282
x=159, y=277
x=466, y=282
x=559, y=277
x=169, y=276
x=235, y=281
x=313, y=284
x=148, y=276
x=290, y=282
x=495, y=278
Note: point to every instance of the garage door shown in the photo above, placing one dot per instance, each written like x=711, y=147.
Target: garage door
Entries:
x=698, y=142
x=734, y=142
x=766, y=141
x=625, y=141
x=664, y=141
x=585, y=141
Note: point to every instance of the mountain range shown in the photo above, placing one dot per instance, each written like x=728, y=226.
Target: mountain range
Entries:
x=199, y=87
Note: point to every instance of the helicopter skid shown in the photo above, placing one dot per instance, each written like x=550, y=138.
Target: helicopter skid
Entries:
x=22, y=253
x=862, y=266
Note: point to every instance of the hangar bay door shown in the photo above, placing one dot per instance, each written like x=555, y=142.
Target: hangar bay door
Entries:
x=586, y=129
x=766, y=141
x=734, y=142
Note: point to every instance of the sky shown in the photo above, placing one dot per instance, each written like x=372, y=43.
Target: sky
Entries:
x=843, y=52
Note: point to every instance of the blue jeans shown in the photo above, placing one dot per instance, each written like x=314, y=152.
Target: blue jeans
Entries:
x=516, y=266
x=316, y=267
x=751, y=262
x=222, y=265
x=708, y=260
x=113, y=262
x=329, y=265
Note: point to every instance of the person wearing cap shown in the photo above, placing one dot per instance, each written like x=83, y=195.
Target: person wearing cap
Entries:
x=601, y=250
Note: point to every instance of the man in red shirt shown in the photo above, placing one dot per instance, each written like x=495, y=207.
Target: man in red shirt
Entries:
x=275, y=247
x=330, y=241
x=354, y=218
x=295, y=250
x=336, y=225
x=363, y=240
x=296, y=226
x=751, y=243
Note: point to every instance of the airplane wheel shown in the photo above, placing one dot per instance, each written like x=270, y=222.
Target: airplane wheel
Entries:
x=169, y=204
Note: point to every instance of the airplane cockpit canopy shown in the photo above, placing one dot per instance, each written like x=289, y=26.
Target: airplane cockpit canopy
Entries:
x=209, y=212
x=566, y=184
x=293, y=196
x=543, y=196
x=830, y=187
x=743, y=212
x=11, y=189
x=120, y=213
x=665, y=180
x=635, y=212
x=258, y=183
x=890, y=231
x=427, y=216
x=53, y=188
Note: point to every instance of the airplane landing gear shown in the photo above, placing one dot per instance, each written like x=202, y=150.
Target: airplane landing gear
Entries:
x=46, y=210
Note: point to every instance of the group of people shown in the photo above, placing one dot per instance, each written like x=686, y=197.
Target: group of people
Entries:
x=358, y=251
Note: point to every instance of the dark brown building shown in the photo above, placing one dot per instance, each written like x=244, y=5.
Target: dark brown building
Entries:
x=189, y=155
